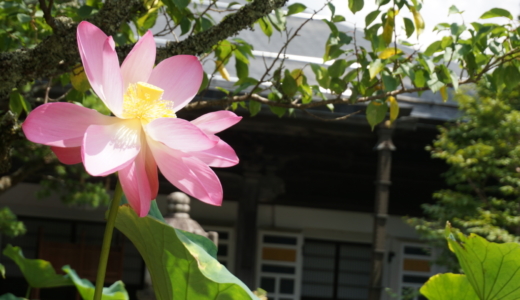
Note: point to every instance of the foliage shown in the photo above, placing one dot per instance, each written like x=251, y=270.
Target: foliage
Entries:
x=86, y=289
x=41, y=274
x=181, y=265
x=9, y=224
x=482, y=150
x=38, y=273
x=490, y=270
x=482, y=53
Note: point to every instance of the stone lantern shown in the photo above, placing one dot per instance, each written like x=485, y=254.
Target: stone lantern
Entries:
x=178, y=217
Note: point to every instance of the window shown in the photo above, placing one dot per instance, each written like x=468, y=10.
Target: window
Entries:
x=335, y=270
x=416, y=269
x=279, y=265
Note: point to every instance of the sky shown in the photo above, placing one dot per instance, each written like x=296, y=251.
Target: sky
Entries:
x=433, y=12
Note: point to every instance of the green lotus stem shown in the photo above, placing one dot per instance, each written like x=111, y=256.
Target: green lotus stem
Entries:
x=28, y=293
x=107, y=241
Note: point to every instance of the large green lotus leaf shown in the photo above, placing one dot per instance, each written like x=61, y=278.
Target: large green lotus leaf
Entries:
x=179, y=266
x=492, y=269
x=39, y=273
x=86, y=289
x=448, y=286
x=10, y=296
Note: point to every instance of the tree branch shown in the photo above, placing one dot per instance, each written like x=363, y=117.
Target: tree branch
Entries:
x=203, y=41
x=58, y=52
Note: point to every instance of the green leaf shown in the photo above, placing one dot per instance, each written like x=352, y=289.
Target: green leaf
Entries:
x=278, y=19
x=376, y=112
x=454, y=80
x=179, y=267
x=86, y=289
x=2, y=271
x=491, y=268
x=23, y=18
x=10, y=296
x=371, y=17
x=84, y=11
x=497, y=12
x=337, y=68
x=322, y=75
x=375, y=68
x=254, y=108
x=242, y=68
x=457, y=29
x=79, y=80
x=185, y=26
x=181, y=3
x=16, y=102
x=512, y=77
x=265, y=25
x=289, y=86
x=390, y=82
x=408, y=27
x=420, y=79
x=39, y=273
x=453, y=10
x=279, y=111
x=332, y=8
x=338, y=18
x=448, y=286
x=434, y=47
x=355, y=5
x=337, y=85
x=434, y=83
x=295, y=8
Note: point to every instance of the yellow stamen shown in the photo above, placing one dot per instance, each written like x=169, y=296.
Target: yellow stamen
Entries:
x=143, y=101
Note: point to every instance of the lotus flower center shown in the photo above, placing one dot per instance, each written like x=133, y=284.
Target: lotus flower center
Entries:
x=144, y=101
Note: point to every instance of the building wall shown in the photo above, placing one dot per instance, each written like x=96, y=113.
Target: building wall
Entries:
x=311, y=224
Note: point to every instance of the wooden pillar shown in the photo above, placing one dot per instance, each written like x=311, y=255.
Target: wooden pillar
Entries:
x=246, y=229
x=384, y=162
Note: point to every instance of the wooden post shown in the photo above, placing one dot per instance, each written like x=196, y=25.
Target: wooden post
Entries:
x=246, y=229
x=384, y=162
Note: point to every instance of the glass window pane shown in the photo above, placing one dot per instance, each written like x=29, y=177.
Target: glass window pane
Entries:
x=416, y=250
x=415, y=279
x=268, y=284
x=278, y=269
x=284, y=240
x=286, y=286
x=222, y=250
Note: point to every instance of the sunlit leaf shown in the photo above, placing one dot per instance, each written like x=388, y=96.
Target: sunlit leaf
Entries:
x=265, y=25
x=418, y=20
x=491, y=268
x=2, y=271
x=86, y=289
x=497, y=12
x=179, y=266
x=389, y=52
x=376, y=112
x=39, y=273
x=448, y=286
x=453, y=10
x=444, y=93
x=222, y=70
x=375, y=68
x=394, y=108
x=295, y=8
x=355, y=5
x=79, y=80
x=338, y=68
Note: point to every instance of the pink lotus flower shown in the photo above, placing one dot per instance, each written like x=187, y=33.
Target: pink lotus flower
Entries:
x=145, y=132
